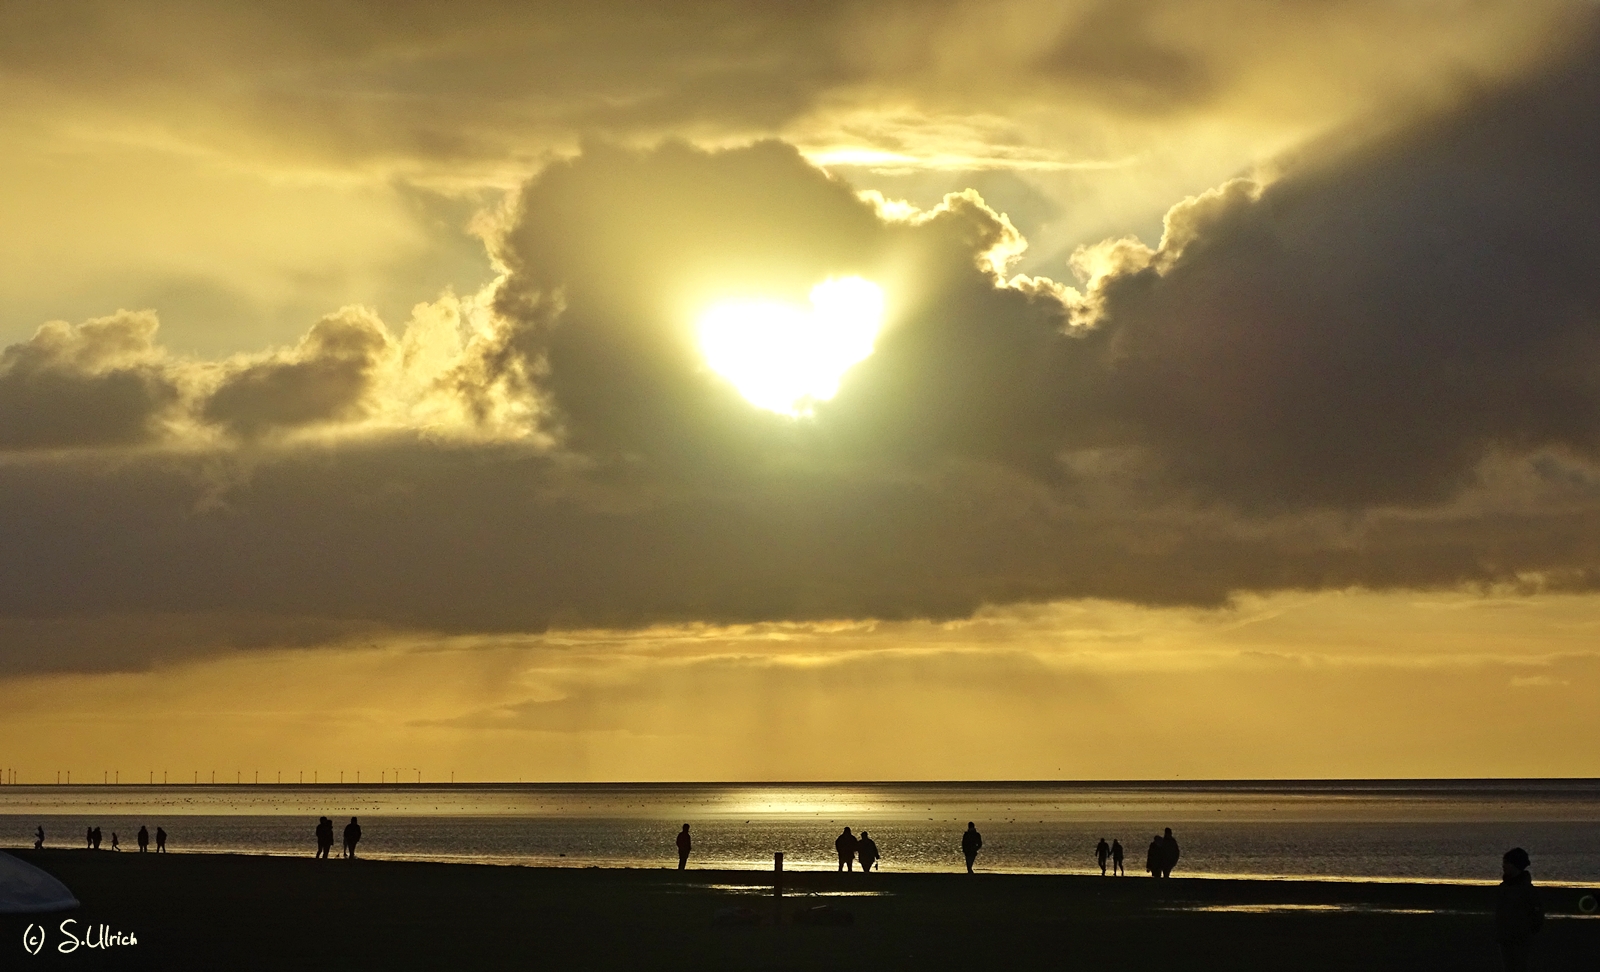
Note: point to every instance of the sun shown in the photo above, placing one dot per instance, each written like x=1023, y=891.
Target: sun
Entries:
x=785, y=358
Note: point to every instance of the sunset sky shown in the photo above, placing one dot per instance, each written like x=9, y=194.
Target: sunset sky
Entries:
x=1090, y=389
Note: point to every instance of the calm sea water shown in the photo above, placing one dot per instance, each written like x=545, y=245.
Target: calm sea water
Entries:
x=1406, y=830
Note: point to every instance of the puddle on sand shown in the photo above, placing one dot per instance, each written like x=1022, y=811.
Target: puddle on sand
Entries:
x=795, y=896
x=1330, y=909
x=1346, y=909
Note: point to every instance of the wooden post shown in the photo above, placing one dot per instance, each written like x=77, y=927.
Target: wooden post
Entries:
x=777, y=886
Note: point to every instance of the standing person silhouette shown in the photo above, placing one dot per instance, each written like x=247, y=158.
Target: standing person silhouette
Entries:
x=867, y=852
x=971, y=843
x=683, y=847
x=114, y=845
x=38, y=839
x=1518, y=914
x=324, y=837
x=88, y=838
x=846, y=845
x=1102, y=853
x=1169, y=853
x=352, y=837
x=144, y=839
x=95, y=837
x=1116, y=858
x=161, y=841
x=1152, y=857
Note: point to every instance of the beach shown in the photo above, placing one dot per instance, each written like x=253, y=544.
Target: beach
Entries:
x=226, y=911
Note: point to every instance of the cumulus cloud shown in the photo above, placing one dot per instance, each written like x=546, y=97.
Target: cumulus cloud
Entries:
x=98, y=383
x=328, y=376
x=1365, y=330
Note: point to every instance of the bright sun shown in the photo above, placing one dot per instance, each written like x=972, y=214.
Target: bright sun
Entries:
x=785, y=358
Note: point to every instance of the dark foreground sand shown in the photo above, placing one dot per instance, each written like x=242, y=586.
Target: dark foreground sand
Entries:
x=229, y=912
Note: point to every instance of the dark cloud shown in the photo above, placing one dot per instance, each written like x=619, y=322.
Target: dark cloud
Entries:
x=1367, y=327
x=631, y=242
x=1110, y=52
x=94, y=384
x=635, y=242
x=328, y=376
x=469, y=539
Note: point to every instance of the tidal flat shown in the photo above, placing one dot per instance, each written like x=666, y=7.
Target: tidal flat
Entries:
x=247, y=912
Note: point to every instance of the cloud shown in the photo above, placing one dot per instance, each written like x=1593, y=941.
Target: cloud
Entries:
x=328, y=376
x=1366, y=328
x=480, y=92
x=100, y=383
x=1374, y=369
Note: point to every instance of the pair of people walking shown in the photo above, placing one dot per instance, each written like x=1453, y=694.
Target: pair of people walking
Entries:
x=1162, y=856
x=352, y=837
x=1113, y=853
x=144, y=840
x=852, y=848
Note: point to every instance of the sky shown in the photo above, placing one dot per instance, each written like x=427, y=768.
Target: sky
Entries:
x=1089, y=389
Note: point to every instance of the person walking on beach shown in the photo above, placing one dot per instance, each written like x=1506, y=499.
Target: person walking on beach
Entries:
x=352, y=837
x=161, y=841
x=971, y=843
x=1152, y=857
x=683, y=847
x=324, y=838
x=867, y=852
x=144, y=839
x=114, y=845
x=88, y=838
x=1102, y=853
x=846, y=845
x=38, y=839
x=1518, y=914
x=1169, y=853
x=95, y=838
x=1116, y=859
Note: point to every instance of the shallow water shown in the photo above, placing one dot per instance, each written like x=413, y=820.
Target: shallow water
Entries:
x=1403, y=830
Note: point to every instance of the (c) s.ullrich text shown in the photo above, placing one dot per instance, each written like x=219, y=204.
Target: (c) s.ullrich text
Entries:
x=75, y=935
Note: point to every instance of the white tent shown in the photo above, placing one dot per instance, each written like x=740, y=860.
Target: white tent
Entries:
x=24, y=889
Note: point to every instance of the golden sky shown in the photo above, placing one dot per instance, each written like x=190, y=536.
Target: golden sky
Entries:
x=1233, y=409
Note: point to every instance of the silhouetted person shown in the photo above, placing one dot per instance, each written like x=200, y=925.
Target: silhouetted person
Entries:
x=144, y=839
x=1116, y=858
x=161, y=841
x=352, y=837
x=866, y=852
x=96, y=837
x=324, y=837
x=846, y=845
x=114, y=845
x=38, y=839
x=1517, y=911
x=1152, y=857
x=971, y=843
x=683, y=847
x=88, y=838
x=1169, y=853
x=1102, y=853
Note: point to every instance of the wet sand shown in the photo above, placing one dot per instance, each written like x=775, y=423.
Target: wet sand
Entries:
x=200, y=911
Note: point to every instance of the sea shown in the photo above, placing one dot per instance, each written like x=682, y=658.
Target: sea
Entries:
x=1385, y=830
